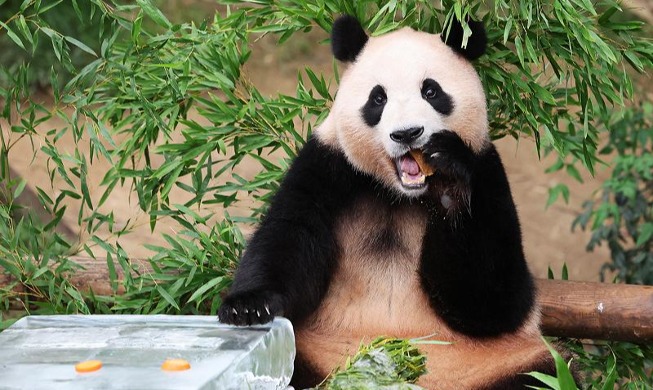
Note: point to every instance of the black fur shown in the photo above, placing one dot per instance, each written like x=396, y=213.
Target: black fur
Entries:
x=476, y=44
x=373, y=108
x=473, y=265
x=442, y=102
x=347, y=38
x=288, y=262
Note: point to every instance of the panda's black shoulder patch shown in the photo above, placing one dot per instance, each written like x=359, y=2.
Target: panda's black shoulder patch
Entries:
x=476, y=44
x=347, y=38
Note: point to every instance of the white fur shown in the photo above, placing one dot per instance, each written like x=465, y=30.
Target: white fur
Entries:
x=400, y=62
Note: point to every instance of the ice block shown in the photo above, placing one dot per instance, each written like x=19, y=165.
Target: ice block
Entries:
x=41, y=352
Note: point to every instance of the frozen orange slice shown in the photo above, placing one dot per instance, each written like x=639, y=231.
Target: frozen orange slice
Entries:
x=88, y=366
x=175, y=365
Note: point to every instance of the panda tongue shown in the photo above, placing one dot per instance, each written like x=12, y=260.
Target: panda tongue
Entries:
x=409, y=165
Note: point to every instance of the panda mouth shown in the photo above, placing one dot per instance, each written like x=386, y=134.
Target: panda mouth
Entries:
x=409, y=172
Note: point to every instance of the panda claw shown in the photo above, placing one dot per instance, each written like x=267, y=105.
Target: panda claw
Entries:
x=258, y=314
x=233, y=310
x=267, y=309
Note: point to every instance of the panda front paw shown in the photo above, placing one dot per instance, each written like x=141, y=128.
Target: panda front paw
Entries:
x=450, y=156
x=250, y=308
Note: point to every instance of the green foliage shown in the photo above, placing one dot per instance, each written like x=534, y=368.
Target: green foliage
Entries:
x=164, y=105
x=609, y=365
x=383, y=364
x=564, y=273
x=622, y=215
x=603, y=365
x=55, y=38
x=564, y=380
x=561, y=39
x=184, y=277
x=32, y=255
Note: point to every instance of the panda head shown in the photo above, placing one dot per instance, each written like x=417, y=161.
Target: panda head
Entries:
x=397, y=90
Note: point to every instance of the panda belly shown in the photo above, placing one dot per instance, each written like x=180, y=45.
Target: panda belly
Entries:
x=376, y=291
x=376, y=285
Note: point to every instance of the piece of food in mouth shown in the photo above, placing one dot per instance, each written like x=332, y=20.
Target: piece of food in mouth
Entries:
x=413, y=170
x=426, y=169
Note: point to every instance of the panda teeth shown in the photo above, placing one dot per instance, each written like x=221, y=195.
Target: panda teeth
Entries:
x=409, y=172
x=412, y=180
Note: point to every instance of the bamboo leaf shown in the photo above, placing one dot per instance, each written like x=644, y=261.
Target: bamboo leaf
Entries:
x=205, y=287
x=80, y=45
x=645, y=233
x=167, y=297
x=154, y=13
x=12, y=35
x=19, y=188
x=548, y=380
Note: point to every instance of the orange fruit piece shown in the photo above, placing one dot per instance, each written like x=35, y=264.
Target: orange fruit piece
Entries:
x=88, y=366
x=175, y=365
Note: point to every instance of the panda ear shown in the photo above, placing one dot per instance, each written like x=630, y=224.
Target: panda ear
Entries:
x=347, y=38
x=475, y=44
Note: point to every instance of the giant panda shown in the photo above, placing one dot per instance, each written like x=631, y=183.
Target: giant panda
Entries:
x=360, y=242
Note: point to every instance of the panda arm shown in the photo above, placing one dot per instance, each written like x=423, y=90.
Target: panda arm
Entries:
x=287, y=264
x=473, y=266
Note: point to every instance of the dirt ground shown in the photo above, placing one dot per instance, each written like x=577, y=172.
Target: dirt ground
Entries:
x=548, y=239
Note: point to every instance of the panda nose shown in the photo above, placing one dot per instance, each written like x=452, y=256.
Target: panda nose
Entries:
x=406, y=136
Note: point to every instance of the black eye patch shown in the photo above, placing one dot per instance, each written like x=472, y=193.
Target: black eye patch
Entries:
x=436, y=97
x=373, y=108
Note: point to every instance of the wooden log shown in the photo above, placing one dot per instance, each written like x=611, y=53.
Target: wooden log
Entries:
x=586, y=310
x=603, y=311
x=94, y=274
